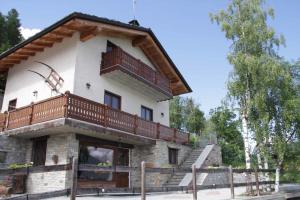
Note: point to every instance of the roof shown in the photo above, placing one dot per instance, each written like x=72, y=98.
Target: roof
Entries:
x=41, y=40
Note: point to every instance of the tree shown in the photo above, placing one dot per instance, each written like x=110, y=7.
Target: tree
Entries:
x=185, y=114
x=10, y=35
x=13, y=25
x=245, y=24
x=277, y=111
x=226, y=126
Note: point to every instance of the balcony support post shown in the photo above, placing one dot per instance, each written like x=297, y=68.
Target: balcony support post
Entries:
x=157, y=130
x=31, y=113
x=66, y=103
x=105, y=115
x=135, y=124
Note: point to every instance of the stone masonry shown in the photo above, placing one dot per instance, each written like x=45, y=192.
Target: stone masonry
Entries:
x=65, y=146
x=158, y=156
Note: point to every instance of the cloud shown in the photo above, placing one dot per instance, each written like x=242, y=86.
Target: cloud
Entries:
x=28, y=32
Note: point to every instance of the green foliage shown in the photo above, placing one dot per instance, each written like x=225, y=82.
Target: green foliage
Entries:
x=185, y=114
x=104, y=164
x=194, y=139
x=10, y=35
x=19, y=165
x=224, y=123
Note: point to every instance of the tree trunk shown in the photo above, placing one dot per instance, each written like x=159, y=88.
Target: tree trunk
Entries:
x=277, y=178
x=266, y=188
x=247, y=151
x=246, y=140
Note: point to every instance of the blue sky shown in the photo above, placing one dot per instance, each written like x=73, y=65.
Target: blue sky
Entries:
x=197, y=46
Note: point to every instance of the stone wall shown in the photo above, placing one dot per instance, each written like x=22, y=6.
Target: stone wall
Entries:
x=158, y=156
x=214, y=158
x=65, y=146
x=15, y=149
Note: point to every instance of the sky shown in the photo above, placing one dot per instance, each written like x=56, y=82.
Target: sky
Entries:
x=197, y=46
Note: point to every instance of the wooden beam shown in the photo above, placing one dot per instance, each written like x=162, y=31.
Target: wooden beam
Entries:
x=89, y=33
x=33, y=48
x=109, y=27
x=42, y=44
x=25, y=53
x=19, y=57
x=10, y=61
x=139, y=40
x=51, y=39
x=61, y=33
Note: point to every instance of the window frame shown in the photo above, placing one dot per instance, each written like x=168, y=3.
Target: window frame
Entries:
x=112, y=95
x=34, y=152
x=173, y=159
x=12, y=107
x=146, y=109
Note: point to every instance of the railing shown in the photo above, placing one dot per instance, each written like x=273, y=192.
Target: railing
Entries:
x=76, y=107
x=117, y=57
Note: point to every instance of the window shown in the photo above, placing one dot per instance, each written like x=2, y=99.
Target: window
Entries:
x=95, y=155
x=39, y=148
x=173, y=156
x=110, y=46
x=3, y=156
x=146, y=113
x=112, y=100
x=12, y=104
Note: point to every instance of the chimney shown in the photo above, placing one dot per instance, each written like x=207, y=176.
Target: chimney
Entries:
x=134, y=22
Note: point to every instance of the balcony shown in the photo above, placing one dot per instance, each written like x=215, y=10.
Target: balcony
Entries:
x=126, y=69
x=78, y=108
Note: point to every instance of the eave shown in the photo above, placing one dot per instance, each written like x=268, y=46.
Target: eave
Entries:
x=89, y=26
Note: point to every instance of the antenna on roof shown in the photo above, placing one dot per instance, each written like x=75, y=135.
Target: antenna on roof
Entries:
x=133, y=7
x=134, y=22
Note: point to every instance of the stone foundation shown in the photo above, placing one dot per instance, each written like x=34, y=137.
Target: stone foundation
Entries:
x=65, y=146
x=158, y=156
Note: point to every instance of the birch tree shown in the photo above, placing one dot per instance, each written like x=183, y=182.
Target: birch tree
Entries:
x=244, y=23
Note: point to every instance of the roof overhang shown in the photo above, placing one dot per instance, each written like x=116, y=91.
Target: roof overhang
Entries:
x=90, y=26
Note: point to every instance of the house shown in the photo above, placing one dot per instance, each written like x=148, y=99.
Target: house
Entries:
x=95, y=89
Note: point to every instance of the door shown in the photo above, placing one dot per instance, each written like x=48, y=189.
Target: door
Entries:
x=122, y=159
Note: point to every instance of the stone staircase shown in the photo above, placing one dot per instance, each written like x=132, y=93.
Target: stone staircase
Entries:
x=195, y=156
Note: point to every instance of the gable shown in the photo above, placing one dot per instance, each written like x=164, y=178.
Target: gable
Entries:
x=90, y=26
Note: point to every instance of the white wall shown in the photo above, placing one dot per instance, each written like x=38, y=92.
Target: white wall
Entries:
x=79, y=63
x=21, y=83
x=88, y=71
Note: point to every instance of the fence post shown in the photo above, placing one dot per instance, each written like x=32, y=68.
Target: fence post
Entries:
x=143, y=180
x=74, y=179
x=231, y=182
x=105, y=115
x=194, y=182
x=257, y=182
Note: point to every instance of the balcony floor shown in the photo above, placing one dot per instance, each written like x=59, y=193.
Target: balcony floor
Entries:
x=68, y=125
x=126, y=78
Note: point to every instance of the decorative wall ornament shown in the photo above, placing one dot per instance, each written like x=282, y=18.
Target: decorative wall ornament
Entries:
x=54, y=80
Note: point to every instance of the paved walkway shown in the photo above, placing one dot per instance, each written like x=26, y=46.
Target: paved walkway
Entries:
x=214, y=194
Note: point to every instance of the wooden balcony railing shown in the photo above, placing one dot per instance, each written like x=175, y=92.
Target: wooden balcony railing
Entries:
x=76, y=107
x=117, y=58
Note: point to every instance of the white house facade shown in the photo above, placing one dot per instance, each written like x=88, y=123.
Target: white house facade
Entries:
x=93, y=89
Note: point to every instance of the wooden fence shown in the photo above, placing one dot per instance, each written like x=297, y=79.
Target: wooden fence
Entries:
x=142, y=190
x=76, y=107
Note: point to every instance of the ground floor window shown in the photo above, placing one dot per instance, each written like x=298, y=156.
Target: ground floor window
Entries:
x=173, y=156
x=90, y=154
x=106, y=155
